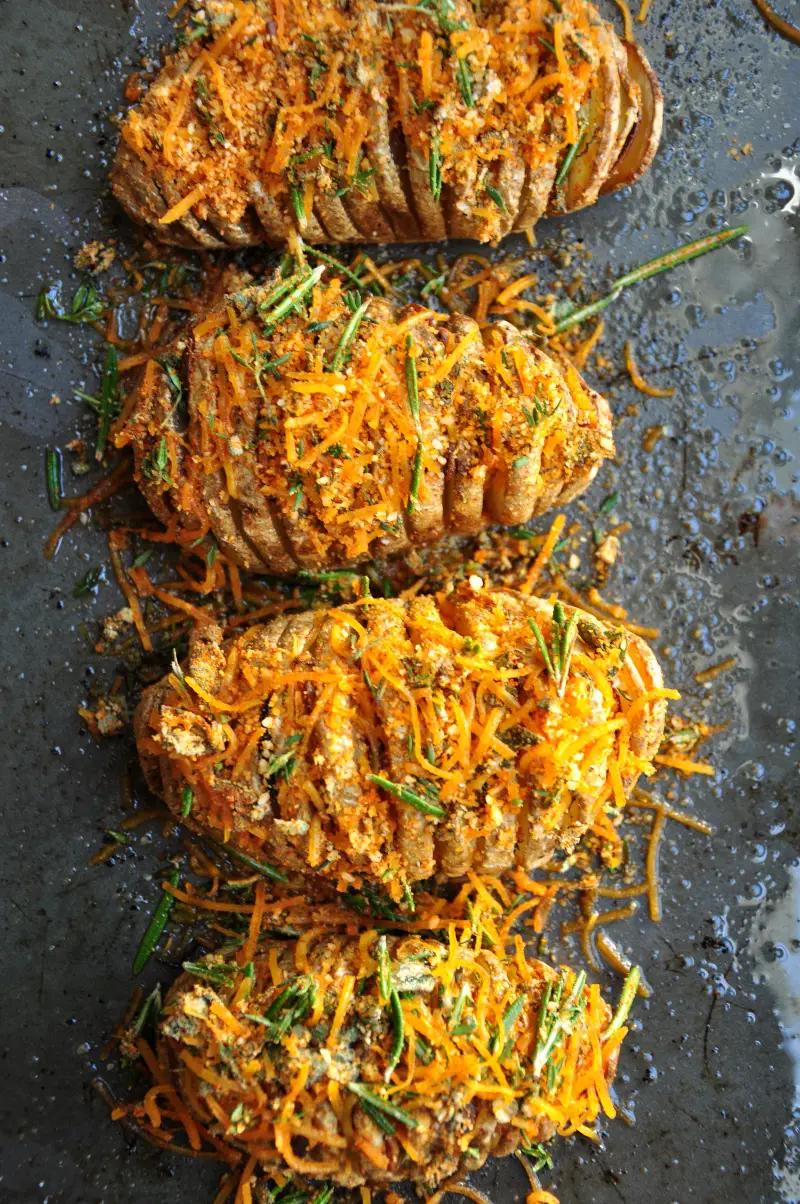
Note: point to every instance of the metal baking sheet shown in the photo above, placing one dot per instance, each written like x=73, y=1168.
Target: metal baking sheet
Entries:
x=711, y=559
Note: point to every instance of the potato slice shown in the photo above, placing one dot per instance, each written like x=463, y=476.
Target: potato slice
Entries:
x=642, y=144
x=598, y=118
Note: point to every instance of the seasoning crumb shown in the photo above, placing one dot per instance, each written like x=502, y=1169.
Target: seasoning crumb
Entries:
x=95, y=257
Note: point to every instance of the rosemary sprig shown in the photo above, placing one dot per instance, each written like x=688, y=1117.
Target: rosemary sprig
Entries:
x=258, y=365
x=332, y=262
x=106, y=403
x=408, y=796
x=154, y=464
x=294, y=299
x=556, y=1018
x=287, y=1008
x=562, y=641
x=412, y=380
x=690, y=250
x=187, y=799
x=416, y=477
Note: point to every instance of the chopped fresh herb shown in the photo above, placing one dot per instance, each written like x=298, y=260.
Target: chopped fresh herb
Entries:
x=412, y=380
x=87, y=304
x=398, y=1025
x=538, y=1155
x=496, y=197
x=262, y=867
x=154, y=464
x=464, y=77
x=52, y=470
x=625, y=1001
x=435, y=168
x=547, y=45
x=567, y=161
x=463, y=996
x=360, y=182
x=416, y=477
x=520, y=461
x=156, y=926
x=293, y=301
x=609, y=503
x=141, y=560
x=433, y=285
x=562, y=640
x=259, y=365
x=538, y=411
x=342, y=268
x=88, y=582
x=106, y=403
x=377, y=1118
x=187, y=799
x=348, y=334
x=149, y=1011
x=298, y=203
x=555, y=1018
x=316, y=327
x=408, y=796
x=294, y=1001
x=382, y=1105
x=212, y=973
x=372, y=902
x=384, y=969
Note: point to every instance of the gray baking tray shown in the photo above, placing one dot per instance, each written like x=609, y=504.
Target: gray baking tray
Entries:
x=712, y=560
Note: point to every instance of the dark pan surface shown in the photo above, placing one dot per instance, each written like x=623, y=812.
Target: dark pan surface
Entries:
x=712, y=560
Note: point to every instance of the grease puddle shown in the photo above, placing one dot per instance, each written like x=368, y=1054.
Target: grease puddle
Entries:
x=774, y=944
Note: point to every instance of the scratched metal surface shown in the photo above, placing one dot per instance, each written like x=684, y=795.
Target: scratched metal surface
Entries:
x=712, y=560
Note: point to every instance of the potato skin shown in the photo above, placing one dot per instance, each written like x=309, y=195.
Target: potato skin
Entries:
x=231, y=122
x=290, y=759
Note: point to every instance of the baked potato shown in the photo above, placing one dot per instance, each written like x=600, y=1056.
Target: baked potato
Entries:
x=376, y=1059
x=383, y=122
x=386, y=741
x=300, y=427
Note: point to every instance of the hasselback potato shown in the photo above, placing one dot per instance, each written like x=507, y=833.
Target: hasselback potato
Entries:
x=384, y=122
x=369, y=1060
x=301, y=426
x=387, y=741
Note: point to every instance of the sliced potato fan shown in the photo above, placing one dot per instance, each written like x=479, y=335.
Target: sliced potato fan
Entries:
x=332, y=437
x=382, y=122
x=395, y=741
